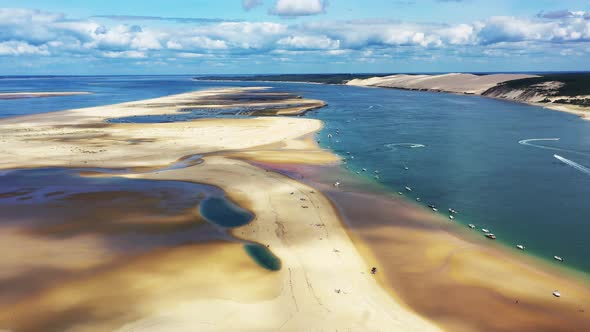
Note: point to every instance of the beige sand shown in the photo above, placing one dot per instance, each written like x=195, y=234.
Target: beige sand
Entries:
x=324, y=284
x=20, y=95
x=455, y=82
x=469, y=84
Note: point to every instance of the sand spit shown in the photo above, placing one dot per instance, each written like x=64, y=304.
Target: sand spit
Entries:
x=21, y=95
x=447, y=272
x=324, y=283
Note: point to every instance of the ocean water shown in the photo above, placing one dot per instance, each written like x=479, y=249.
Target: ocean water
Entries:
x=473, y=154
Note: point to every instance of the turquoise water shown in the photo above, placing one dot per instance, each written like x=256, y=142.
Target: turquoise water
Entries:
x=223, y=212
x=461, y=152
x=263, y=256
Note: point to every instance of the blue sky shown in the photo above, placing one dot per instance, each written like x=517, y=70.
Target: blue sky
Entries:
x=292, y=36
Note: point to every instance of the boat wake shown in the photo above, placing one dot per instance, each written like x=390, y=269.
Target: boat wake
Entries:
x=407, y=145
x=573, y=164
x=545, y=147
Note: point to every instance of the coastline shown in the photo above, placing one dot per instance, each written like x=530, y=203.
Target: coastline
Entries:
x=324, y=282
x=446, y=272
x=21, y=95
x=427, y=274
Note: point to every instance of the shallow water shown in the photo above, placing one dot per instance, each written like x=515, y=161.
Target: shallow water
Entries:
x=461, y=152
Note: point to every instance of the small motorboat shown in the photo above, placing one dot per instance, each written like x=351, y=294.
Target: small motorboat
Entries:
x=432, y=206
x=376, y=176
x=434, y=209
x=557, y=258
x=472, y=226
x=556, y=294
x=451, y=217
x=485, y=230
x=408, y=188
x=520, y=246
x=490, y=236
x=364, y=169
x=400, y=193
x=418, y=199
x=329, y=135
x=376, y=172
x=351, y=157
x=406, y=168
x=337, y=184
x=348, y=152
x=453, y=211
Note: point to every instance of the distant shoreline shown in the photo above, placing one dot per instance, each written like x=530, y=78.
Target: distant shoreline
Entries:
x=23, y=95
x=544, y=90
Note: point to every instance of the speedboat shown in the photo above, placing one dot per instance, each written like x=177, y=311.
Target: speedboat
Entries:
x=472, y=226
x=485, y=230
x=451, y=217
x=557, y=258
x=490, y=236
x=520, y=246
x=408, y=188
x=556, y=294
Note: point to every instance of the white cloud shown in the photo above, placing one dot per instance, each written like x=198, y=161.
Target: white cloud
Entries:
x=22, y=48
x=125, y=54
x=32, y=32
x=299, y=7
x=250, y=4
x=309, y=42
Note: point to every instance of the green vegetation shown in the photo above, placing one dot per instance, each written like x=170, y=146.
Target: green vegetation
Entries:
x=575, y=83
x=313, y=78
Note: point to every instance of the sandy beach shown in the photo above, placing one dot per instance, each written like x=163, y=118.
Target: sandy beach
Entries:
x=324, y=283
x=119, y=276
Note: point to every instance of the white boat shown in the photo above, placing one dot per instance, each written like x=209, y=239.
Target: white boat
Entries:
x=556, y=294
x=520, y=246
x=434, y=209
x=451, y=217
x=376, y=176
x=329, y=135
x=418, y=199
x=376, y=172
x=406, y=168
x=337, y=184
x=364, y=169
x=408, y=188
x=472, y=226
x=557, y=258
x=400, y=193
x=485, y=230
x=490, y=236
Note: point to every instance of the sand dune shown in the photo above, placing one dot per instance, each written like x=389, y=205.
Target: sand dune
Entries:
x=454, y=82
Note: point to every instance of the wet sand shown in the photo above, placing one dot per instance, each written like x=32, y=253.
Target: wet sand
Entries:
x=449, y=273
x=324, y=282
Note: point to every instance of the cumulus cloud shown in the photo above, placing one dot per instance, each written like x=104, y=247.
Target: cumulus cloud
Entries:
x=44, y=34
x=250, y=4
x=299, y=7
x=563, y=14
